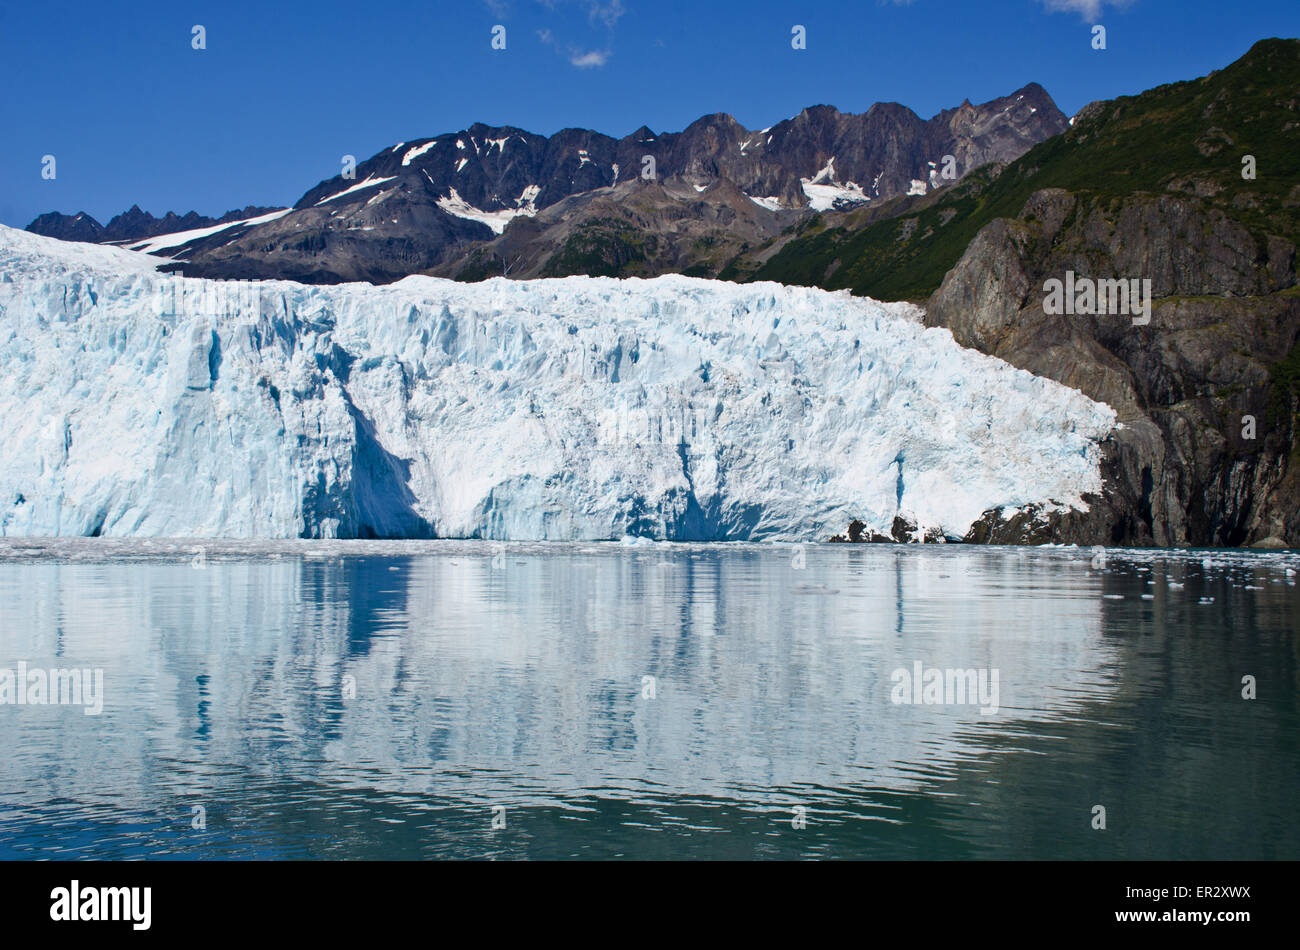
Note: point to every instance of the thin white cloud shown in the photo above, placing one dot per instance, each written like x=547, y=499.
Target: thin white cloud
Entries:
x=605, y=13
x=595, y=57
x=1088, y=9
x=578, y=57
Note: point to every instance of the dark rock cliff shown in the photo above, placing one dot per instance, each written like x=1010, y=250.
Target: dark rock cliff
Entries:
x=1188, y=465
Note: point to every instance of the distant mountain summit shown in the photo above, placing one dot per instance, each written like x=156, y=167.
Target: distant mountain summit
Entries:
x=130, y=226
x=439, y=203
x=68, y=227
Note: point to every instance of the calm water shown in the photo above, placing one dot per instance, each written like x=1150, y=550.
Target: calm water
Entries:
x=390, y=700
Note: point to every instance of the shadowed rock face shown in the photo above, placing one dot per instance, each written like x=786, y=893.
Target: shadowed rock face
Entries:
x=639, y=228
x=1184, y=386
x=402, y=232
x=434, y=204
x=68, y=227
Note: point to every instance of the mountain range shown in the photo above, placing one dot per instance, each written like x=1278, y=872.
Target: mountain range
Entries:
x=500, y=199
x=131, y=226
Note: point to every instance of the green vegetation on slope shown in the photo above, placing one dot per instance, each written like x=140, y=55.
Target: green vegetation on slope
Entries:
x=603, y=247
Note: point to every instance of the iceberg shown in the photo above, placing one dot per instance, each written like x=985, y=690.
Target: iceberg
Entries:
x=135, y=403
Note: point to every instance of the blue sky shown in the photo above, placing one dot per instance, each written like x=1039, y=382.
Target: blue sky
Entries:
x=133, y=114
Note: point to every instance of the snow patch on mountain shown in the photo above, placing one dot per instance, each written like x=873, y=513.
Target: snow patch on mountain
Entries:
x=138, y=404
x=416, y=152
x=370, y=182
x=525, y=205
x=824, y=193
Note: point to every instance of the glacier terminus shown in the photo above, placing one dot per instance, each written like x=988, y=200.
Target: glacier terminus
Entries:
x=135, y=403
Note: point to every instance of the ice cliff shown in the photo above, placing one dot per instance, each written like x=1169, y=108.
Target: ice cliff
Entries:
x=135, y=403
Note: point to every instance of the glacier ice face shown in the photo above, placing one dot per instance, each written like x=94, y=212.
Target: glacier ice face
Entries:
x=137, y=404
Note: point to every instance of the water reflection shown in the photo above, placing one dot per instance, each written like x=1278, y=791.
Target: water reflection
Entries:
x=651, y=701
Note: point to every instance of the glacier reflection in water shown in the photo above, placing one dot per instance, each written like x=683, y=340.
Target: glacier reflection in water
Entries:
x=382, y=699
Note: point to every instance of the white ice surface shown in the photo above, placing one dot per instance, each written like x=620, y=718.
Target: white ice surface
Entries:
x=824, y=191
x=133, y=404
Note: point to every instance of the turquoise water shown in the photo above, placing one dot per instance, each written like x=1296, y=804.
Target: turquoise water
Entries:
x=396, y=700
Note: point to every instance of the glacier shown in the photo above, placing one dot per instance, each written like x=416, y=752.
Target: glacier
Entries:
x=137, y=403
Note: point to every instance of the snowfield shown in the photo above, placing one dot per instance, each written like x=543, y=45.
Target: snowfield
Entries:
x=137, y=404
